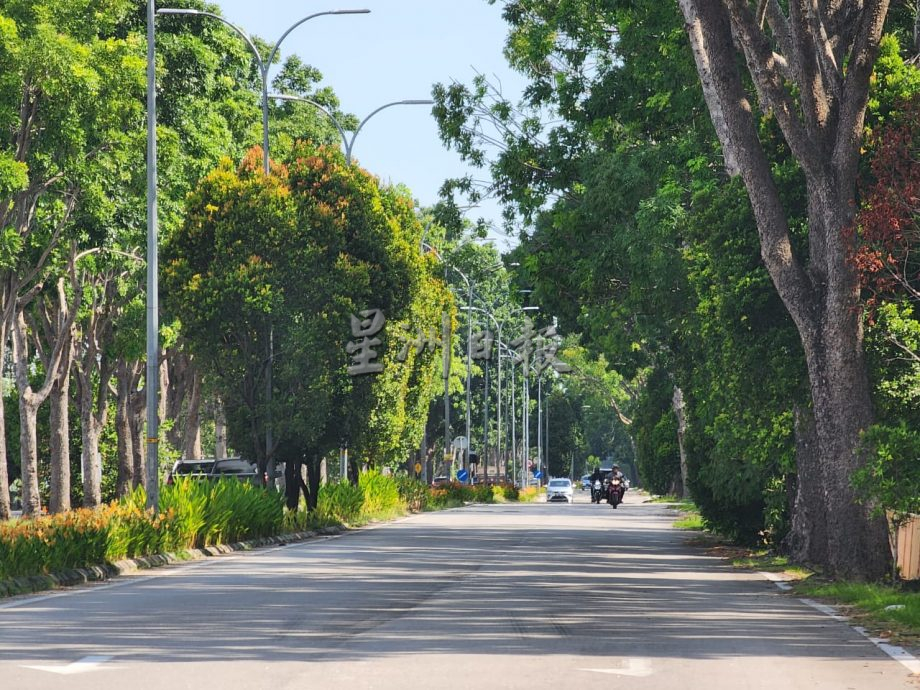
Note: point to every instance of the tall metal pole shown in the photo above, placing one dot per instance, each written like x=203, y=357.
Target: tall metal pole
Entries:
x=513, y=430
x=546, y=435
x=153, y=327
x=498, y=412
x=445, y=360
x=264, y=67
x=540, y=424
x=485, y=421
x=469, y=359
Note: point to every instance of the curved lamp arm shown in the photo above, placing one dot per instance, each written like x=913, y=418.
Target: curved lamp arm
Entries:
x=354, y=136
x=245, y=36
x=271, y=55
x=323, y=109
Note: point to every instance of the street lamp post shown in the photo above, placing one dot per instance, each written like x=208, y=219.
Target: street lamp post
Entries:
x=498, y=327
x=540, y=424
x=346, y=141
x=509, y=353
x=153, y=327
x=469, y=286
x=525, y=421
x=264, y=66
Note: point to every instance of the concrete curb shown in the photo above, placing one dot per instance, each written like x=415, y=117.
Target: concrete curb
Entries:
x=99, y=573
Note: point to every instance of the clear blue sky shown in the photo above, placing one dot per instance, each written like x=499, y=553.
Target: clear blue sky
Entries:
x=396, y=52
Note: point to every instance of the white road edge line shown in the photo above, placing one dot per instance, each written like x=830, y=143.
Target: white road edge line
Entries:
x=899, y=654
x=777, y=580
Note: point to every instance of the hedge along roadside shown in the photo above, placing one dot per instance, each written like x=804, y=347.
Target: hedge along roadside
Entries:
x=198, y=514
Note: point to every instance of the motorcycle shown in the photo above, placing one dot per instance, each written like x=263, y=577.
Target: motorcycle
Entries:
x=597, y=491
x=615, y=492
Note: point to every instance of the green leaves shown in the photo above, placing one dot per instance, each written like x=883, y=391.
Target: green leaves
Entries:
x=290, y=257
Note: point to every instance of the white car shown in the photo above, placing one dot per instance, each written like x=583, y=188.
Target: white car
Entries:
x=560, y=490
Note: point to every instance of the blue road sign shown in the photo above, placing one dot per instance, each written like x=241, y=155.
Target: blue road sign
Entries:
x=537, y=474
x=462, y=475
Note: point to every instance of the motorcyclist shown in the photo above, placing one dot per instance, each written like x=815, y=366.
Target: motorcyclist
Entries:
x=621, y=488
x=596, y=477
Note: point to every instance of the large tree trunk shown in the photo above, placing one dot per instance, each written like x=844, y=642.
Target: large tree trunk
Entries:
x=60, y=437
x=29, y=402
x=90, y=462
x=311, y=488
x=137, y=406
x=806, y=541
x=292, y=483
x=179, y=380
x=821, y=118
x=191, y=434
x=5, y=506
x=220, y=430
x=93, y=402
x=677, y=404
x=28, y=455
x=127, y=479
x=130, y=467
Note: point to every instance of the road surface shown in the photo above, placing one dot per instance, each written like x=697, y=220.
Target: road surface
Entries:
x=507, y=596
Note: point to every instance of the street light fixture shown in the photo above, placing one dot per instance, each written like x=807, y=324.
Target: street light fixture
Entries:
x=264, y=64
x=499, y=325
x=346, y=141
x=153, y=324
x=153, y=349
x=469, y=339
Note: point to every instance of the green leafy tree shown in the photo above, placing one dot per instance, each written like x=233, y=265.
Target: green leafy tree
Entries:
x=292, y=257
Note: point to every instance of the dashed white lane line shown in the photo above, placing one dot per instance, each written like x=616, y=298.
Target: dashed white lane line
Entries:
x=899, y=654
x=637, y=668
x=84, y=665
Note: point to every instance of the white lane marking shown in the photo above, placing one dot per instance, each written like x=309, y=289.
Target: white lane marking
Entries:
x=899, y=654
x=895, y=652
x=638, y=668
x=87, y=663
x=826, y=610
x=777, y=580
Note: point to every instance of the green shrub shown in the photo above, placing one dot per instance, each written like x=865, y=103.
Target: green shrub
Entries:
x=53, y=543
x=482, y=493
x=504, y=492
x=890, y=480
x=510, y=492
x=459, y=492
x=414, y=493
x=528, y=494
x=381, y=496
x=341, y=502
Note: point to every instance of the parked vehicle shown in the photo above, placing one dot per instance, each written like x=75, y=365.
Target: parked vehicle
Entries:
x=214, y=468
x=560, y=490
x=238, y=468
x=586, y=482
x=199, y=468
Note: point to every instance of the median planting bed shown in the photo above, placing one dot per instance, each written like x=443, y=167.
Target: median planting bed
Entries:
x=197, y=514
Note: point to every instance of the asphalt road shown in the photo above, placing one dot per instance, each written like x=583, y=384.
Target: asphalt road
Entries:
x=505, y=596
